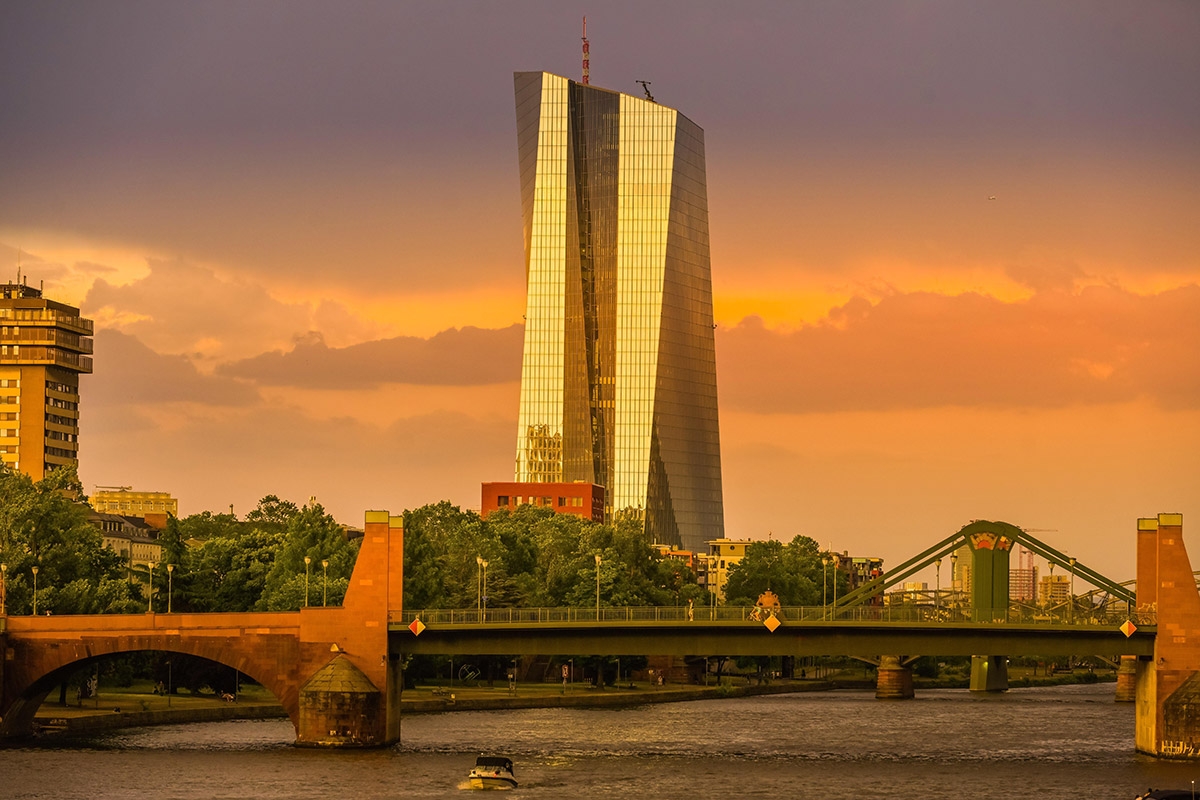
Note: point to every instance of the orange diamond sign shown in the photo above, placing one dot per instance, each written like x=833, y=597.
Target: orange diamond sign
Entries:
x=771, y=623
x=416, y=626
x=1128, y=628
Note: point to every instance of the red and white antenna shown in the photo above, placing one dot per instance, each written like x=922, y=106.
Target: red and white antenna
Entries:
x=585, y=52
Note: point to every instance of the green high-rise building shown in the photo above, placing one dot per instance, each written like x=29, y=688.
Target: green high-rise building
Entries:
x=618, y=381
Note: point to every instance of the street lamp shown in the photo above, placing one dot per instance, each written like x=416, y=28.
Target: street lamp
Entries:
x=170, y=585
x=3, y=590
x=824, y=586
x=597, y=587
x=954, y=584
x=1072, y=608
x=836, y=563
x=150, y=593
x=35, y=572
x=325, y=583
x=483, y=597
x=307, y=561
x=713, y=581
x=938, y=590
x=479, y=584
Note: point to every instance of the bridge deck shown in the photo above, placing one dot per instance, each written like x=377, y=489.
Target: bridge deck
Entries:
x=860, y=631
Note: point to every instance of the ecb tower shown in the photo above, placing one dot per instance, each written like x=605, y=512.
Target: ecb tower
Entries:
x=618, y=378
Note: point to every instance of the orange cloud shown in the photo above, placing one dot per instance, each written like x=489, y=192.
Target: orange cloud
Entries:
x=917, y=350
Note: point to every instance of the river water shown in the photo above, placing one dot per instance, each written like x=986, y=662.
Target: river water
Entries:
x=1064, y=742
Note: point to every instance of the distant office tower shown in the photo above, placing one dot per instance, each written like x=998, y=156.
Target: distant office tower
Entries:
x=618, y=381
x=1023, y=578
x=42, y=353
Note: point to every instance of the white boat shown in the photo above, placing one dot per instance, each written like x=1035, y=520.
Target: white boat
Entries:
x=492, y=772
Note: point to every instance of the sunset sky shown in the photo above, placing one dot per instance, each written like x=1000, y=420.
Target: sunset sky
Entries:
x=955, y=249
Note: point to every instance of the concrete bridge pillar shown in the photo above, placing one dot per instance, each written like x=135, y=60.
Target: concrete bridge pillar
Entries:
x=989, y=673
x=1127, y=680
x=352, y=695
x=894, y=680
x=1168, y=685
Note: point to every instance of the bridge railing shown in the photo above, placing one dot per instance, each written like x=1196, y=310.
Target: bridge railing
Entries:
x=650, y=615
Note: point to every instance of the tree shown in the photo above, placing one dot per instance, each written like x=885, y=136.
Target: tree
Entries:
x=311, y=533
x=41, y=525
x=791, y=571
x=229, y=572
x=272, y=514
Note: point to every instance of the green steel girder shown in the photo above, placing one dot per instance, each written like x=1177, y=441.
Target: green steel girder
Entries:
x=899, y=573
x=1095, y=578
x=957, y=540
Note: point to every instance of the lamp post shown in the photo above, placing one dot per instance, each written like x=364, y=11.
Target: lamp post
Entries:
x=1072, y=607
x=836, y=563
x=483, y=597
x=170, y=585
x=597, y=587
x=824, y=586
x=479, y=584
x=150, y=592
x=1049, y=588
x=3, y=590
x=937, y=592
x=954, y=572
x=307, y=562
x=35, y=572
x=714, y=584
x=325, y=582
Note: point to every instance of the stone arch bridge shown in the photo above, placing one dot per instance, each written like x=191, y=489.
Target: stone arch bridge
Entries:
x=329, y=667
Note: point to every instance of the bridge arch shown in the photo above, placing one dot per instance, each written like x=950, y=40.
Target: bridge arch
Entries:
x=20, y=715
x=34, y=671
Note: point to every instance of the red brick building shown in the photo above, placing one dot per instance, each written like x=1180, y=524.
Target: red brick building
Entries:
x=581, y=499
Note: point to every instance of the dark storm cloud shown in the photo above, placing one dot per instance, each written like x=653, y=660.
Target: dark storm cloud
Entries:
x=128, y=373
x=290, y=138
x=457, y=357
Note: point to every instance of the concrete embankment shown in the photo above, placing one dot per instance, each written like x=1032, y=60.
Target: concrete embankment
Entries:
x=103, y=721
x=468, y=700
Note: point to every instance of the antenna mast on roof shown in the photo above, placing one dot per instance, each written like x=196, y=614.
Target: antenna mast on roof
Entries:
x=585, y=53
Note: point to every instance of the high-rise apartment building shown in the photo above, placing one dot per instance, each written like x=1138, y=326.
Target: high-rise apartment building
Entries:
x=618, y=379
x=44, y=348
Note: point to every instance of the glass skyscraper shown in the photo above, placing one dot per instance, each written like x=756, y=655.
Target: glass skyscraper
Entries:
x=618, y=379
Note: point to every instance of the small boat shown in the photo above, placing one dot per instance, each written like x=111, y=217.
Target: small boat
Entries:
x=1166, y=794
x=492, y=772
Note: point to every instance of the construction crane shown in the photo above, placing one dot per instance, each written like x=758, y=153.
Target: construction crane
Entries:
x=100, y=488
x=646, y=89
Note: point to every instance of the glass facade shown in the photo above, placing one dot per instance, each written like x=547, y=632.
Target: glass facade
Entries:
x=618, y=378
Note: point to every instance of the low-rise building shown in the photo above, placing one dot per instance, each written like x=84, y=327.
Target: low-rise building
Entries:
x=713, y=570
x=126, y=502
x=131, y=538
x=579, y=498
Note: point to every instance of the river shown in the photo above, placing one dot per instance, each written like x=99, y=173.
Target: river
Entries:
x=1062, y=742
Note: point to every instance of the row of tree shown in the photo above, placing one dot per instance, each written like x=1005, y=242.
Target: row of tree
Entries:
x=538, y=558
x=531, y=556
x=209, y=562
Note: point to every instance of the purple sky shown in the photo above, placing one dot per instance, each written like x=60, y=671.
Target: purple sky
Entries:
x=297, y=226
